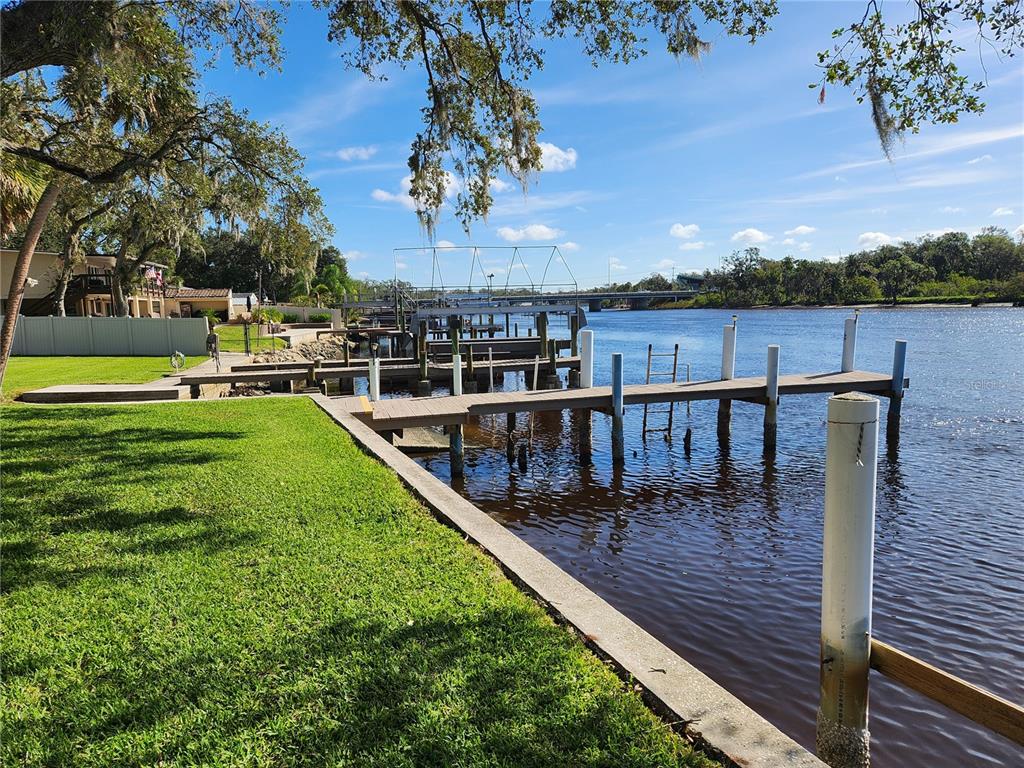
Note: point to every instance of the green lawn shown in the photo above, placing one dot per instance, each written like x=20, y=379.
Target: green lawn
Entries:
x=162, y=606
x=25, y=373
x=233, y=340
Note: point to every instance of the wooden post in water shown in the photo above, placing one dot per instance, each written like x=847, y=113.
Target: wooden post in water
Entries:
x=551, y=380
x=456, y=451
x=771, y=406
x=899, y=373
x=618, y=438
x=517, y=330
x=506, y=326
x=728, y=371
x=470, y=385
x=851, y=454
x=542, y=331
x=849, y=344
x=586, y=435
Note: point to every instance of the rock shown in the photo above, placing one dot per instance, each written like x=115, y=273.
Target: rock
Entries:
x=326, y=348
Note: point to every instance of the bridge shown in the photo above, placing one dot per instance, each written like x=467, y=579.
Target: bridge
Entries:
x=455, y=299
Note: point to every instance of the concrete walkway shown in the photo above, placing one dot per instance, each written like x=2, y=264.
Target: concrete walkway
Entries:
x=162, y=389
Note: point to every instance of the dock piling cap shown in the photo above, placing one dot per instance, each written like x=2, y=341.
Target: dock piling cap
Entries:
x=852, y=396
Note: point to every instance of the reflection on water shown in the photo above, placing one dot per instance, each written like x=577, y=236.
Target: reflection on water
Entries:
x=718, y=553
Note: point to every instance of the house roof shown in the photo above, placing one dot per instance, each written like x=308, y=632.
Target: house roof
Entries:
x=197, y=293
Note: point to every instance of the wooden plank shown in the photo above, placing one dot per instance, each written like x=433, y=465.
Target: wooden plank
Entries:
x=983, y=707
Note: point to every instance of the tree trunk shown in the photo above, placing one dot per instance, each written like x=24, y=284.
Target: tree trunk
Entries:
x=119, y=305
x=60, y=291
x=21, y=267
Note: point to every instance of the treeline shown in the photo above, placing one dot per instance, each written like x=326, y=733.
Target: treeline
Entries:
x=949, y=267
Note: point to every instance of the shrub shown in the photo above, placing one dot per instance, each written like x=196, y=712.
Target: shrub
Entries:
x=320, y=317
x=708, y=301
x=266, y=315
x=288, y=317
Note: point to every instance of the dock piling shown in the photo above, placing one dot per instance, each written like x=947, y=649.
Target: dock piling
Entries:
x=456, y=374
x=618, y=438
x=849, y=344
x=586, y=435
x=456, y=451
x=586, y=358
x=374, y=378
x=899, y=373
x=728, y=372
x=687, y=442
x=771, y=406
x=521, y=458
x=470, y=386
x=851, y=452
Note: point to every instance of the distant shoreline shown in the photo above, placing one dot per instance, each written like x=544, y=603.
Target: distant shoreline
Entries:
x=922, y=305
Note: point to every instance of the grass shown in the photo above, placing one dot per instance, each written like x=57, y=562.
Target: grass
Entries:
x=162, y=607
x=232, y=338
x=26, y=373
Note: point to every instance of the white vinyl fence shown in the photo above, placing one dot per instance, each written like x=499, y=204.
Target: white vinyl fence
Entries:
x=111, y=336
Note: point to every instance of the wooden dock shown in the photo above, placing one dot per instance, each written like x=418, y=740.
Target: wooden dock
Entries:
x=390, y=415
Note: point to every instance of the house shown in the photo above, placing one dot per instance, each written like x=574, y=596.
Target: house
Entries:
x=89, y=290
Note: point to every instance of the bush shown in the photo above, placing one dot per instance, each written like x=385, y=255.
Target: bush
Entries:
x=708, y=301
x=288, y=317
x=266, y=315
x=320, y=317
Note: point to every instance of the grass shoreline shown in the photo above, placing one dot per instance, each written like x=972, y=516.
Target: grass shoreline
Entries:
x=25, y=373
x=163, y=603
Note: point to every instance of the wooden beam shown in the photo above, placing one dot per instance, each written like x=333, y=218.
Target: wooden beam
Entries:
x=994, y=712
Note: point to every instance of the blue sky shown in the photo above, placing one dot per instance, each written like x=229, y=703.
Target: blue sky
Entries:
x=660, y=165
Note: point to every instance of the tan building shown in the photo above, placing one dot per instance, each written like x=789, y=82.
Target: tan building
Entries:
x=89, y=291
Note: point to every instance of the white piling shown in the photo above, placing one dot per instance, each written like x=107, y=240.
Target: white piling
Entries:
x=490, y=370
x=456, y=374
x=618, y=409
x=771, y=407
x=849, y=344
x=728, y=372
x=729, y=351
x=373, y=372
x=586, y=358
x=847, y=560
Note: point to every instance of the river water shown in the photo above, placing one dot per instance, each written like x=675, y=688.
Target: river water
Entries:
x=719, y=554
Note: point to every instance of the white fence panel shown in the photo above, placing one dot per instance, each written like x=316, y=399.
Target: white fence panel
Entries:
x=109, y=336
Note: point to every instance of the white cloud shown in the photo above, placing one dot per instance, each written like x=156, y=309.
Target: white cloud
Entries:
x=616, y=265
x=684, y=231
x=982, y=159
x=499, y=185
x=750, y=236
x=401, y=265
x=664, y=264
x=353, y=255
x=529, y=232
x=403, y=198
x=696, y=245
x=928, y=147
x=789, y=241
x=801, y=245
x=356, y=153
x=556, y=159
x=804, y=246
x=801, y=230
x=1019, y=232
x=951, y=209
x=1003, y=211
x=569, y=245
x=445, y=244
x=874, y=239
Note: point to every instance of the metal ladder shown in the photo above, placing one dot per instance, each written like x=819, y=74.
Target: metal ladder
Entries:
x=670, y=409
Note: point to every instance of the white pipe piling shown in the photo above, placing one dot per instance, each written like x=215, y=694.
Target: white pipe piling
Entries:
x=374, y=378
x=456, y=374
x=849, y=344
x=771, y=406
x=847, y=563
x=728, y=372
x=586, y=358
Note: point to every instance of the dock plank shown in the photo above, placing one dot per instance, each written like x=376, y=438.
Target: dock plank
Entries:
x=394, y=414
